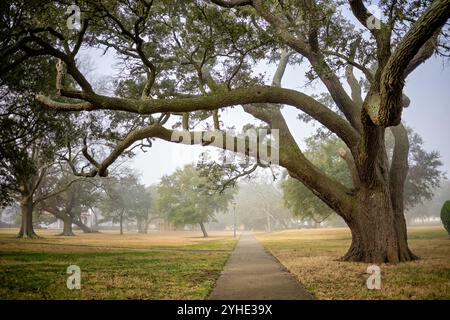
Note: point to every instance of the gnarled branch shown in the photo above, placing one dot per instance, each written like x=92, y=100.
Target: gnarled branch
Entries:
x=258, y=94
x=388, y=108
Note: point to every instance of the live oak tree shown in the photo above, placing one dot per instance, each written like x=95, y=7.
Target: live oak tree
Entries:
x=33, y=142
x=76, y=196
x=195, y=58
x=30, y=137
x=145, y=207
x=186, y=197
x=126, y=199
x=113, y=202
x=34, y=139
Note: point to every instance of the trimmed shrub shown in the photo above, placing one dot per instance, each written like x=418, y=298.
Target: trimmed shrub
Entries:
x=445, y=215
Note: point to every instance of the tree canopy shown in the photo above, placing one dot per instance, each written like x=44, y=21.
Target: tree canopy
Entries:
x=126, y=199
x=186, y=197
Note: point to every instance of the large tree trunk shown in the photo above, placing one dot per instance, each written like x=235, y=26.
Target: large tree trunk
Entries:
x=67, y=229
x=202, y=226
x=378, y=234
x=378, y=224
x=26, y=208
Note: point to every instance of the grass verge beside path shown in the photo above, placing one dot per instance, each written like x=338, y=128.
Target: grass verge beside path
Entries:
x=311, y=254
x=30, y=270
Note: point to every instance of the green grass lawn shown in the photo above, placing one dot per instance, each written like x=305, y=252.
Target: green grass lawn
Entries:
x=311, y=255
x=36, y=269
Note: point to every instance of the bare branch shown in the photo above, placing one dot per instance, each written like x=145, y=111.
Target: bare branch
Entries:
x=348, y=158
x=79, y=41
x=276, y=81
x=351, y=79
x=60, y=76
x=52, y=194
x=315, y=57
x=61, y=106
x=350, y=61
x=231, y=182
x=425, y=52
x=363, y=15
x=232, y=3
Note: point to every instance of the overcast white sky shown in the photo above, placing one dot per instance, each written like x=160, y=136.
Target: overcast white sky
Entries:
x=429, y=115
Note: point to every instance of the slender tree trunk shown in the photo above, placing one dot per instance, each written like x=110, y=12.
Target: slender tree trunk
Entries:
x=26, y=208
x=143, y=226
x=397, y=177
x=139, y=226
x=146, y=225
x=202, y=226
x=269, y=226
x=67, y=228
x=95, y=222
x=284, y=224
x=121, y=223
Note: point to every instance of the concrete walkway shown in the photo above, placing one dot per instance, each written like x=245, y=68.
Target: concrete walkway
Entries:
x=252, y=273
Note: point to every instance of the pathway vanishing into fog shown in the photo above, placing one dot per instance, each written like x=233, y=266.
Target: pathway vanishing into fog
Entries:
x=253, y=273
